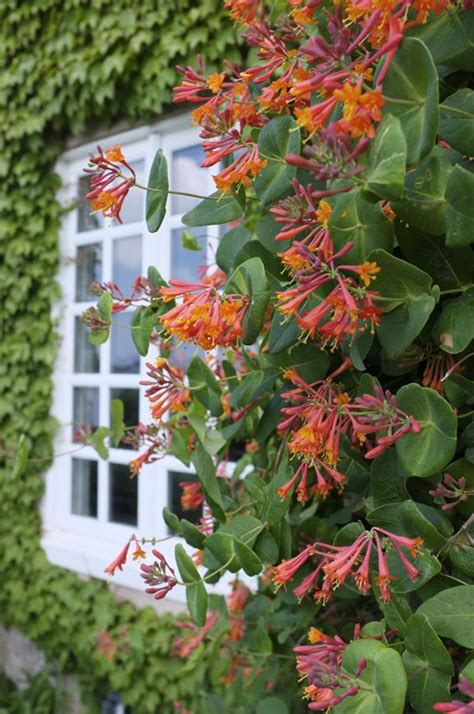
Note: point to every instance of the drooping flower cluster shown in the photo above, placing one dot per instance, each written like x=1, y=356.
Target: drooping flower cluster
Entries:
x=236, y=602
x=192, y=497
x=320, y=414
x=366, y=556
x=457, y=706
x=453, y=489
x=108, y=183
x=320, y=664
x=121, y=559
x=159, y=576
x=192, y=637
x=205, y=317
x=166, y=390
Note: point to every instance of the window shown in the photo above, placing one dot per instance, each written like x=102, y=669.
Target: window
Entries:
x=93, y=506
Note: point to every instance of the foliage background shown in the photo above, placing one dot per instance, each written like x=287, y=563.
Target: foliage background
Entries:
x=70, y=67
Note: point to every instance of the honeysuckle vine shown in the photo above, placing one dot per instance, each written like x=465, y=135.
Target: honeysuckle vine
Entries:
x=328, y=420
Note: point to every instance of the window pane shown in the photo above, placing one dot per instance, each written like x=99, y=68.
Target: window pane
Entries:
x=85, y=407
x=123, y=495
x=84, y=488
x=174, y=496
x=86, y=221
x=133, y=206
x=88, y=269
x=124, y=358
x=86, y=356
x=126, y=262
x=129, y=398
x=181, y=353
x=188, y=176
x=185, y=263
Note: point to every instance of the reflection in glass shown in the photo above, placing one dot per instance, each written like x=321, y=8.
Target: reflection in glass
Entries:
x=188, y=176
x=84, y=488
x=185, y=263
x=88, y=269
x=86, y=220
x=126, y=262
x=124, y=358
x=86, y=356
x=85, y=407
x=129, y=397
x=174, y=496
x=123, y=495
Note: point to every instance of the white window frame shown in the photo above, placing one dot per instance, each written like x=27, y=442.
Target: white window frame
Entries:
x=82, y=544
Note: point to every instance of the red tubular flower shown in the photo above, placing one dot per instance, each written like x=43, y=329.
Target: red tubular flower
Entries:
x=242, y=11
x=454, y=489
x=456, y=706
x=183, y=646
x=192, y=497
x=119, y=561
x=109, y=186
x=204, y=316
x=166, y=390
x=160, y=576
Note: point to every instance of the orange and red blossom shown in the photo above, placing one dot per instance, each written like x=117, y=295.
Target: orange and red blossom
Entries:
x=456, y=706
x=108, y=185
x=119, y=561
x=193, y=636
x=359, y=561
x=166, y=390
x=192, y=497
x=205, y=316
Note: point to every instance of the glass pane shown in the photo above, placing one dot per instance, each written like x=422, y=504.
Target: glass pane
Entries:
x=181, y=353
x=185, y=263
x=88, y=269
x=84, y=488
x=126, y=262
x=129, y=398
x=133, y=206
x=86, y=356
x=188, y=176
x=86, y=221
x=85, y=408
x=123, y=495
x=124, y=358
x=175, y=492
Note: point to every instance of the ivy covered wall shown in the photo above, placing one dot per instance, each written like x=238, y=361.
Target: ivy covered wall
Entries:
x=69, y=67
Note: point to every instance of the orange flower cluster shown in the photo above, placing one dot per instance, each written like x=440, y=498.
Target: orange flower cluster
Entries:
x=166, y=390
x=204, y=317
x=108, y=185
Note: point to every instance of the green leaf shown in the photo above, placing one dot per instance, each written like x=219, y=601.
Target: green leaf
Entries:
x=171, y=520
x=281, y=136
x=383, y=682
x=211, y=439
x=410, y=91
x=355, y=219
x=460, y=208
x=157, y=197
x=428, y=665
x=215, y=209
x=449, y=38
x=206, y=472
x=192, y=535
x=454, y=328
x=104, y=308
x=407, y=519
x=249, y=560
x=96, y=440
x=457, y=121
x=387, y=479
x=424, y=206
x=205, y=386
x=250, y=279
x=21, y=459
x=196, y=593
x=271, y=705
x=399, y=328
x=266, y=229
x=143, y=321
x=429, y=451
x=118, y=426
x=283, y=333
x=387, y=160
x=451, y=614
x=229, y=247
x=189, y=241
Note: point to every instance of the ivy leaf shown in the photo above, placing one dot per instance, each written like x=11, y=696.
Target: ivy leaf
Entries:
x=196, y=593
x=387, y=160
x=410, y=91
x=457, y=121
x=460, y=208
x=21, y=459
x=424, y=206
x=215, y=209
x=454, y=328
x=250, y=279
x=363, y=223
x=157, y=197
x=383, y=682
x=118, y=426
x=206, y=472
x=281, y=136
x=451, y=614
x=429, y=451
x=205, y=386
x=229, y=247
x=428, y=664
